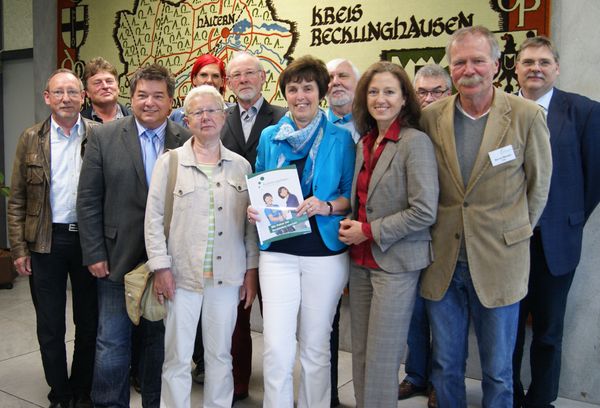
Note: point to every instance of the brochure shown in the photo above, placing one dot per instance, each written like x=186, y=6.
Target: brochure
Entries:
x=276, y=194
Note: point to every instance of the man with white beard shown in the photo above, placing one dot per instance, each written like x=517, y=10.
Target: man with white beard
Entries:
x=343, y=76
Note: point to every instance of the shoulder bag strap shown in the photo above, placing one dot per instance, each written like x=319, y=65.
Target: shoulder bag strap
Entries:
x=173, y=164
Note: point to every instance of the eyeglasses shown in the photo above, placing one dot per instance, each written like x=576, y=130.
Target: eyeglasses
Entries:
x=436, y=93
x=71, y=93
x=238, y=75
x=210, y=112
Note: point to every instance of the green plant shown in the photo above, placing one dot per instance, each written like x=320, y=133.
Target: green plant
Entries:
x=4, y=189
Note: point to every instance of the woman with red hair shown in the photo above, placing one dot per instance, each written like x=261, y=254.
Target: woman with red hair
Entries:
x=207, y=70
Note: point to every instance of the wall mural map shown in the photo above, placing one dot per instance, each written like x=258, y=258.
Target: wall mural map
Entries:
x=132, y=33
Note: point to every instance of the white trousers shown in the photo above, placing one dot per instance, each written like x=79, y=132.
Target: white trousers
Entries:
x=218, y=322
x=300, y=296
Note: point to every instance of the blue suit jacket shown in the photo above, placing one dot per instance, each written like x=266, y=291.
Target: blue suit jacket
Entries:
x=574, y=123
x=334, y=169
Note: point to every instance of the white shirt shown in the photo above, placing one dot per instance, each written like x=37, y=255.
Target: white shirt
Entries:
x=65, y=165
x=247, y=124
x=544, y=100
x=465, y=113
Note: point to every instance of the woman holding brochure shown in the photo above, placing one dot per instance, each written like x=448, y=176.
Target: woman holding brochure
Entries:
x=209, y=262
x=394, y=202
x=302, y=278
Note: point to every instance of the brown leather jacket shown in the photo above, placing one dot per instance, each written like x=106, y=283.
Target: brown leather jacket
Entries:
x=29, y=213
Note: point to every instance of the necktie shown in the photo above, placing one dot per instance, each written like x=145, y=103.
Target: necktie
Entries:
x=150, y=153
x=247, y=121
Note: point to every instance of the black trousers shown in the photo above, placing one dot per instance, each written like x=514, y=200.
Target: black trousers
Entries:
x=49, y=291
x=546, y=301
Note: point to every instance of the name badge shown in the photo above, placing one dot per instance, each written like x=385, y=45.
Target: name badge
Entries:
x=502, y=155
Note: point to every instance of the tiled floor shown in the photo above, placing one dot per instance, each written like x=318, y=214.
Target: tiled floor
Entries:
x=22, y=383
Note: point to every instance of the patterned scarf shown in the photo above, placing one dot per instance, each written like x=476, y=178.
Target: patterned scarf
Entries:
x=301, y=143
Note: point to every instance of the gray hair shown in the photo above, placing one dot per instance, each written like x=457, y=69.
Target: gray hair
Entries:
x=240, y=54
x=475, y=30
x=62, y=71
x=334, y=63
x=433, y=71
x=200, y=91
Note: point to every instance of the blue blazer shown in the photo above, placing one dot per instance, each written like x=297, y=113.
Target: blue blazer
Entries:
x=334, y=169
x=574, y=123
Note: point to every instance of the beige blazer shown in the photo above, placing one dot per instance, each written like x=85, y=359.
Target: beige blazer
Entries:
x=497, y=210
x=401, y=201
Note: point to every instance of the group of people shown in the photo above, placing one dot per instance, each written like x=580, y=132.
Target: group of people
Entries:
x=435, y=210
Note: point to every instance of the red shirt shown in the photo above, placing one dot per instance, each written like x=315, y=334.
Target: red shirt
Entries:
x=361, y=254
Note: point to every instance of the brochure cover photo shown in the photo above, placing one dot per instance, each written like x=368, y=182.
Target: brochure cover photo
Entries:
x=276, y=194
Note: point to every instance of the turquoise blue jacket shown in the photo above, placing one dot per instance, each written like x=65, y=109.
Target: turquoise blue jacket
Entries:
x=334, y=169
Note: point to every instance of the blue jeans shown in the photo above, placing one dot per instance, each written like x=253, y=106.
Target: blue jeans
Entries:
x=496, y=331
x=418, y=359
x=110, y=386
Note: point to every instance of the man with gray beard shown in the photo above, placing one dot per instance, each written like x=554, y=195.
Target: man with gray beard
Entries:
x=343, y=77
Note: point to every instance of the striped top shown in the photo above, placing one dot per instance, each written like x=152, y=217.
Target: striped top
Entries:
x=208, y=256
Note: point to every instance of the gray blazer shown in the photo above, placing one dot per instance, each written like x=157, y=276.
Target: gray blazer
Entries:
x=111, y=198
x=402, y=201
x=232, y=134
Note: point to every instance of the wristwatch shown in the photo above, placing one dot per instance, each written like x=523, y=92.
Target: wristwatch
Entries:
x=330, y=206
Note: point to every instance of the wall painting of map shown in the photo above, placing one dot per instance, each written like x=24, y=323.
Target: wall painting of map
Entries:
x=132, y=33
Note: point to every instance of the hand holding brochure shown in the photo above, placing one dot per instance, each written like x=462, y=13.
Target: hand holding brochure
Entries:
x=276, y=194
